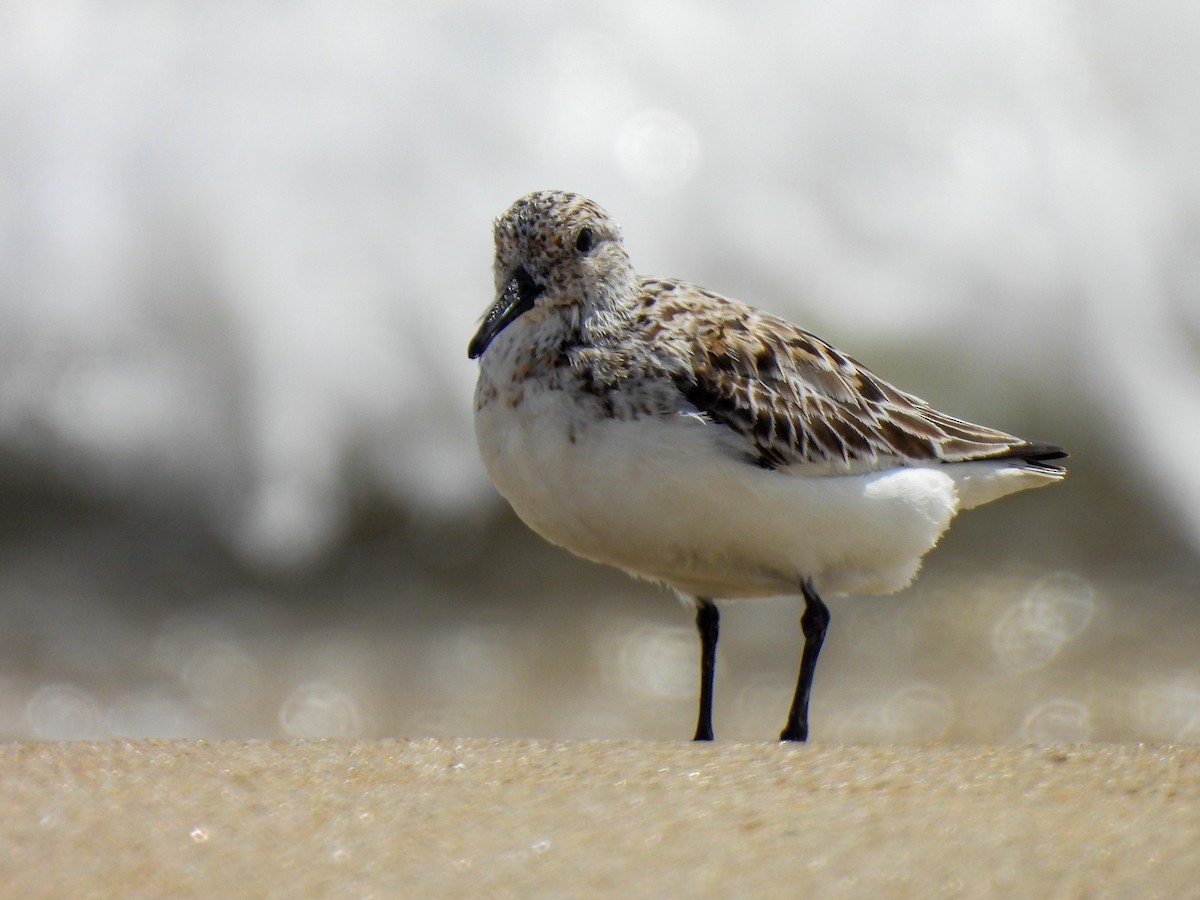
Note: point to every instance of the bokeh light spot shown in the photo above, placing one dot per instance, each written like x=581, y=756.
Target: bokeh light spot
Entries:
x=658, y=660
x=319, y=710
x=1033, y=630
x=63, y=712
x=1057, y=722
x=658, y=150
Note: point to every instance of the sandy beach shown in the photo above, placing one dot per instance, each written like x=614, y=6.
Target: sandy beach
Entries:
x=463, y=818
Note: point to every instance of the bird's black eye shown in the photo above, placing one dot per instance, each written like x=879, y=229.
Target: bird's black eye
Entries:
x=584, y=240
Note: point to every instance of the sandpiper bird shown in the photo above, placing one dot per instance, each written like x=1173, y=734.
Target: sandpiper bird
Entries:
x=698, y=442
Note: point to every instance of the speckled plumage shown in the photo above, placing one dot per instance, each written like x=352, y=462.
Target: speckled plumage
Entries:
x=693, y=440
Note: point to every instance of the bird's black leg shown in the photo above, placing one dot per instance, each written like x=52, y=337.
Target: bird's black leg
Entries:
x=813, y=623
x=707, y=623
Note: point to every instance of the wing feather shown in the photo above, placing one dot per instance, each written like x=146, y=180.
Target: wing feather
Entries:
x=796, y=399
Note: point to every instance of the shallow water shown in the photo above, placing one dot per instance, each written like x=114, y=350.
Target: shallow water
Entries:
x=118, y=623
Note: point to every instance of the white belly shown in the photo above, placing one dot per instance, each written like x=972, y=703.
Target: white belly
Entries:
x=668, y=499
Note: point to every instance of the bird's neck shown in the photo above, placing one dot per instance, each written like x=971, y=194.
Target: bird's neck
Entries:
x=610, y=308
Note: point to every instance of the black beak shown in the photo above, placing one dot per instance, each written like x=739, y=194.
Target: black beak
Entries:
x=516, y=298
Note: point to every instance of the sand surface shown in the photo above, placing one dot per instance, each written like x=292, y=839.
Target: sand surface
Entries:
x=466, y=818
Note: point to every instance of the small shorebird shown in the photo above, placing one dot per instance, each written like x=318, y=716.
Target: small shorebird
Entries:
x=698, y=442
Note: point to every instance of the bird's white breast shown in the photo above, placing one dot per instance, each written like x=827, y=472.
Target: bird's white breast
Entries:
x=669, y=498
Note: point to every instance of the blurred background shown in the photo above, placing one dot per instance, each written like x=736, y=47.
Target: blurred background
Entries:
x=243, y=248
